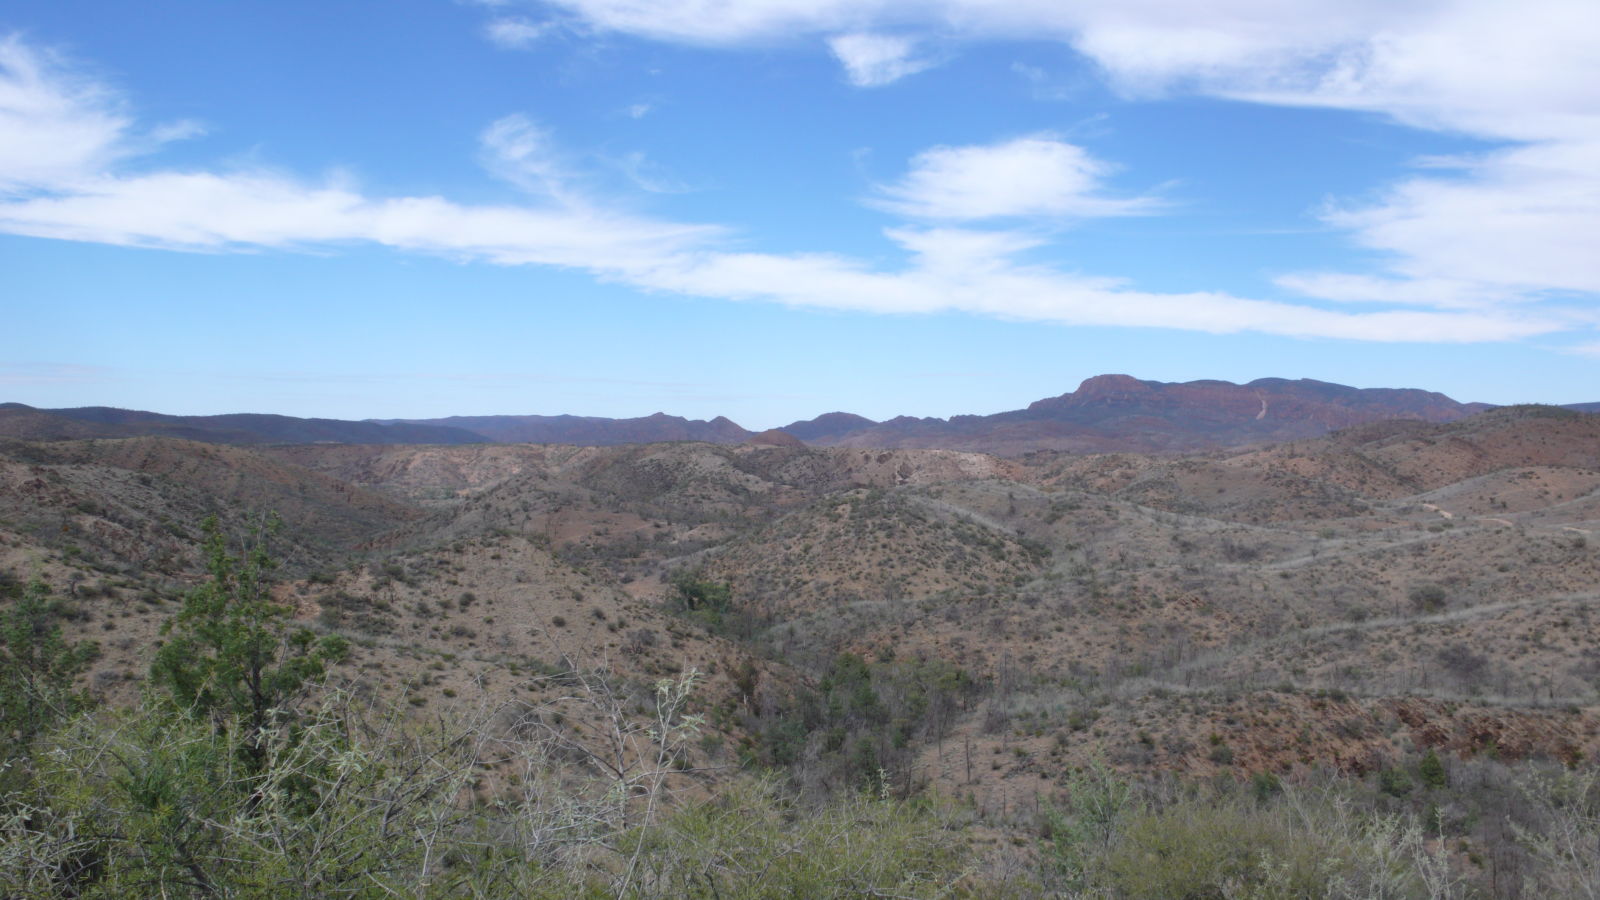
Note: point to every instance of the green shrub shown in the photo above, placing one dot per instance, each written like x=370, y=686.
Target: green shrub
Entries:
x=1264, y=786
x=756, y=842
x=1431, y=771
x=1223, y=847
x=1394, y=782
x=1428, y=598
x=364, y=802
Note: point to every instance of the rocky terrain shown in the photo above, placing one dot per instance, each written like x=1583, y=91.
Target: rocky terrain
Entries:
x=1386, y=587
x=984, y=627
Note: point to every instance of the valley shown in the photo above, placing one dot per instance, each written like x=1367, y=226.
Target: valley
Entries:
x=1333, y=606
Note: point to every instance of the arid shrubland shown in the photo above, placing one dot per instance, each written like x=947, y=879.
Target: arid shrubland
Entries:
x=247, y=772
x=1110, y=838
x=362, y=800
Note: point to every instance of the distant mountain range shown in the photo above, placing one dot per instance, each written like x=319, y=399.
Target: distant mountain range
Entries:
x=1120, y=413
x=1107, y=413
x=27, y=423
x=591, y=431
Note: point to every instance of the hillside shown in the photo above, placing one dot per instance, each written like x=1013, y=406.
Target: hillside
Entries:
x=1340, y=603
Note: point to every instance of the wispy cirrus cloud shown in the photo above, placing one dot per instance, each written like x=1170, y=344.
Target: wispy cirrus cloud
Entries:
x=520, y=152
x=51, y=110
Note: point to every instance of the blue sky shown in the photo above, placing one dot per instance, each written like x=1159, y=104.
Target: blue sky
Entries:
x=772, y=209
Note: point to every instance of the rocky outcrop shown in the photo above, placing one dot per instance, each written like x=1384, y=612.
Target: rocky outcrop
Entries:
x=1110, y=413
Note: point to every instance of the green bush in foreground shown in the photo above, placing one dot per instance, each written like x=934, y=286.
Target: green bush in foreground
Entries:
x=1200, y=841
x=755, y=842
x=360, y=804
x=1233, y=848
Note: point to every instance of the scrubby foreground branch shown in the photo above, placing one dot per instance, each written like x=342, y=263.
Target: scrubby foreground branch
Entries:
x=360, y=800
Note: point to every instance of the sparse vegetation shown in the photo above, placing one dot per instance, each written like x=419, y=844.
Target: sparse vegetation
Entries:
x=1263, y=673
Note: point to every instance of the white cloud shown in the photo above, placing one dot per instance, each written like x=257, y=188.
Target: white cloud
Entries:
x=1520, y=71
x=522, y=153
x=1513, y=226
x=53, y=129
x=744, y=21
x=963, y=253
x=720, y=21
x=232, y=211
x=971, y=272
x=59, y=128
x=1441, y=59
x=874, y=60
x=1443, y=293
x=1524, y=219
x=1037, y=175
x=93, y=197
x=63, y=143
x=514, y=34
x=1517, y=220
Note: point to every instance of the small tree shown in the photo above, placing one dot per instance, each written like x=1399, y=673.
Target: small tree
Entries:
x=694, y=592
x=708, y=602
x=37, y=668
x=230, y=652
x=1431, y=771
